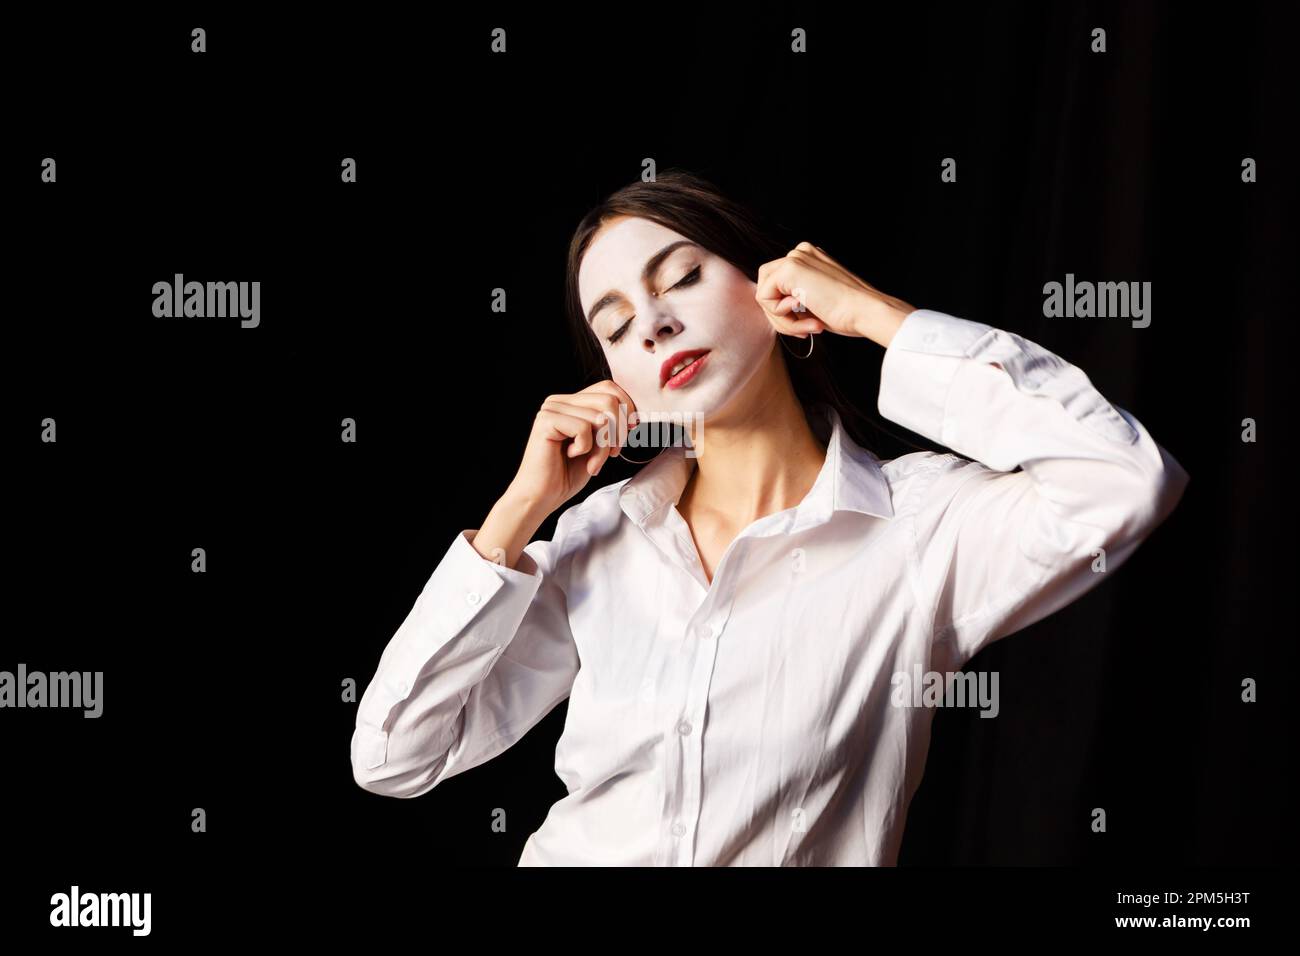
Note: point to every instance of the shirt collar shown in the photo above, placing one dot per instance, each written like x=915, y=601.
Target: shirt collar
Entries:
x=850, y=480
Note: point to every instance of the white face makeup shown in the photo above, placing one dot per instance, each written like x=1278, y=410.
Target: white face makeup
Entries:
x=703, y=302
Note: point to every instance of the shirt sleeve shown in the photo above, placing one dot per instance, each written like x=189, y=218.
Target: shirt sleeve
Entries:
x=484, y=654
x=1063, y=486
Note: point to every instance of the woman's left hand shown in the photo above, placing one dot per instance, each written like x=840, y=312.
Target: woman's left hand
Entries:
x=832, y=298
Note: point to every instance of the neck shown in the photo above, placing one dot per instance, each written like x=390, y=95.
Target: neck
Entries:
x=757, y=461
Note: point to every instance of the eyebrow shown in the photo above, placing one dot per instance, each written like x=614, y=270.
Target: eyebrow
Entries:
x=652, y=265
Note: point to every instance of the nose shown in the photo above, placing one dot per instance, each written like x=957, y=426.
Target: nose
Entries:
x=664, y=330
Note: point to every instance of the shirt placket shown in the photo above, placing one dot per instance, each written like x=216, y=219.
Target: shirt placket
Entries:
x=684, y=753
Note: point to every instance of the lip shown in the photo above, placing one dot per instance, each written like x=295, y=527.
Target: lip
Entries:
x=686, y=374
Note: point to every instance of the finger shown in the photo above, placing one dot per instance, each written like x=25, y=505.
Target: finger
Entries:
x=800, y=271
x=811, y=257
x=774, y=285
x=817, y=253
x=803, y=324
x=813, y=250
x=610, y=387
x=803, y=318
x=593, y=438
x=784, y=320
x=767, y=267
x=800, y=329
x=603, y=409
x=790, y=307
x=603, y=422
x=608, y=401
x=582, y=440
x=560, y=426
x=596, y=416
x=596, y=460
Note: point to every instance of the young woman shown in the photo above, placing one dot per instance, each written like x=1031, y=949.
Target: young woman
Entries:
x=738, y=628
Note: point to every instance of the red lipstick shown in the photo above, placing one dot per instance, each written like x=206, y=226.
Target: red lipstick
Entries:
x=668, y=380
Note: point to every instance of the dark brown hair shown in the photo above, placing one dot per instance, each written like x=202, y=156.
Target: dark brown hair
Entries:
x=697, y=209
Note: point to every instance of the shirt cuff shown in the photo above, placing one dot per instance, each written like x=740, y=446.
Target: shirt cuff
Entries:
x=916, y=375
x=458, y=592
x=465, y=581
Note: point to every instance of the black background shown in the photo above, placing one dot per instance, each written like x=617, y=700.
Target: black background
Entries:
x=222, y=690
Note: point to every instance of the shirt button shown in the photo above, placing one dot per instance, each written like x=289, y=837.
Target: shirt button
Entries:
x=678, y=829
x=473, y=598
x=709, y=630
x=403, y=687
x=684, y=728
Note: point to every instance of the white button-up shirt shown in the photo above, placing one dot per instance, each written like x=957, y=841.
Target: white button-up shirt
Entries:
x=756, y=721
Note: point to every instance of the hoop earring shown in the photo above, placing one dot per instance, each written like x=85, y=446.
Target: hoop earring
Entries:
x=811, y=344
x=623, y=454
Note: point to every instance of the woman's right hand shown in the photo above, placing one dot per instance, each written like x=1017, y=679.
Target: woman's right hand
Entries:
x=563, y=452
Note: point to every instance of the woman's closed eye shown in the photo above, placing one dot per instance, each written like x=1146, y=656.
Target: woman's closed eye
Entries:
x=690, y=278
